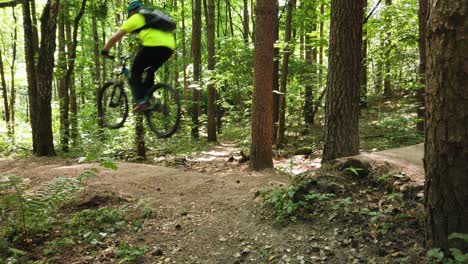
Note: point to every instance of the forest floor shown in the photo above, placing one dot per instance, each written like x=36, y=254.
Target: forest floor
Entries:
x=208, y=208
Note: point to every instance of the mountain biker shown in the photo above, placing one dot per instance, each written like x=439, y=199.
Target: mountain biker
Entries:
x=157, y=48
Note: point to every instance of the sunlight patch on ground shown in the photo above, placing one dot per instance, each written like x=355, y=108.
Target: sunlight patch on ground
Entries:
x=297, y=164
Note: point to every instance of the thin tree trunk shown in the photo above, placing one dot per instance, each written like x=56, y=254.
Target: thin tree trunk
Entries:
x=310, y=58
x=231, y=24
x=422, y=14
x=69, y=77
x=5, y=93
x=284, y=75
x=276, y=86
x=140, y=137
x=62, y=90
x=342, y=98
x=363, y=94
x=30, y=50
x=12, y=72
x=253, y=7
x=97, y=69
x=211, y=67
x=196, y=53
x=245, y=22
x=261, y=149
x=388, y=90
x=321, y=28
x=446, y=146
x=184, y=59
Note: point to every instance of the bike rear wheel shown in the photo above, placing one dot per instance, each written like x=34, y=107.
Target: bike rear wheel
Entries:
x=113, y=105
x=163, y=118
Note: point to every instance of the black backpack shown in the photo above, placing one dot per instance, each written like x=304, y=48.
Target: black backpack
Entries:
x=156, y=19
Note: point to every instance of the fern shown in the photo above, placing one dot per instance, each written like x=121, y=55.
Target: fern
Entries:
x=24, y=212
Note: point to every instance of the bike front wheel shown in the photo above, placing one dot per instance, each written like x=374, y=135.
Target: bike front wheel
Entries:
x=163, y=118
x=113, y=105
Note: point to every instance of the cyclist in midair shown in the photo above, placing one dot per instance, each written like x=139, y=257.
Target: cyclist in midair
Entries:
x=157, y=48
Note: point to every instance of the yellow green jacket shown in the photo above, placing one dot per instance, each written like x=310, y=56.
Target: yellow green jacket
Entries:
x=149, y=37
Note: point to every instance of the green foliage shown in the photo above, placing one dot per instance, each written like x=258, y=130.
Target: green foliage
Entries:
x=126, y=253
x=24, y=213
x=436, y=255
x=93, y=225
x=58, y=246
x=287, y=202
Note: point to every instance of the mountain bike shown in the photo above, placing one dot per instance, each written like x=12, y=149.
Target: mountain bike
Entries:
x=163, y=115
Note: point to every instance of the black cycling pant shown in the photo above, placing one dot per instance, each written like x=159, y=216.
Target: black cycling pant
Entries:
x=146, y=57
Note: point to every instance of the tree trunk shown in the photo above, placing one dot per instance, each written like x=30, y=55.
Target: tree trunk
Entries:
x=422, y=15
x=446, y=146
x=284, y=75
x=231, y=24
x=252, y=17
x=69, y=77
x=245, y=22
x=5, y=93
x=388, y=90
x=30, y=51
x=196, y=53
x=211, y=67
x=321, y=28
x=309, y=91
x=276, y=83
x=184, y=64
x=97, y=69
x=363, y=94
x=342, y=98
x=261, y=149
x=12, y=74
x=45, y=67
x=140, y=137
x=62, y=90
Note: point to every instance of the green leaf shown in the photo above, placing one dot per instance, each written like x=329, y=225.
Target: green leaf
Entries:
x=17, y=252
x=459, y=256
x=436, y=254
x=109, y=165
x=464, y=237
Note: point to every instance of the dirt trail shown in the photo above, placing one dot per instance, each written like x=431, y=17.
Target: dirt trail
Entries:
x=213, y=216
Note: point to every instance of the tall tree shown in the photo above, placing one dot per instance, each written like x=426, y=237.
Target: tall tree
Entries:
x=342, y=100
x=262, y=119
x=62, y=89
x=40, y=74
x=284, y=76
x=196, y=53
x=388, y=48
x=45, y=66
x=30, y=49
x=210, y=36
x=276, y=85
x=6, y=115
x=446, y=146
x=422, y=17
x=184, y=59
x=13, y=71
x=363, y=93
x=72, y=45
x=245, y=22
x=97, y=63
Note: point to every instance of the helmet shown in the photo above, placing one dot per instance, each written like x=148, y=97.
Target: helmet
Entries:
x=134, y=5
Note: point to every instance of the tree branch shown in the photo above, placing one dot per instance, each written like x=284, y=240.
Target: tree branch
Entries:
x=10, y=3
x=372, y=12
